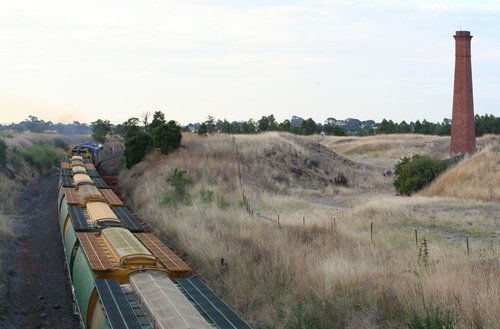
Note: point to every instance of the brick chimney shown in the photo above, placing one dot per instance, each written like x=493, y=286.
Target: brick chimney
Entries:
x=463, y=137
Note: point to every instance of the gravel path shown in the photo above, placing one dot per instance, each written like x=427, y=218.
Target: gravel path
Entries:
x=39, y=292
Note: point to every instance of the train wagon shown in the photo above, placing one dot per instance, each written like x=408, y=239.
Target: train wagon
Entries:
x=122, y=275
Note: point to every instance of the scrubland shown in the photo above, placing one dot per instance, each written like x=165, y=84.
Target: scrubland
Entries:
x=341, y=256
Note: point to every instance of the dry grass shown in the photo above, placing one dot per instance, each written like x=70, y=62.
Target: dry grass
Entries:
x=319, y=275
x=476, y=178
x=387, y=150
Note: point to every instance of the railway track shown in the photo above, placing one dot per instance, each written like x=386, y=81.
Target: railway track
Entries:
x=111, y=159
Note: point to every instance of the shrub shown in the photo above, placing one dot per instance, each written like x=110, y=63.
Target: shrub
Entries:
x=412, y=174
x=3, y=153
x=179, y=180
x=136, y=148
x=341, y=179
x=207, y=197
x=41, y=157
x=223, y=203
x=434, y=318
x=60, y=143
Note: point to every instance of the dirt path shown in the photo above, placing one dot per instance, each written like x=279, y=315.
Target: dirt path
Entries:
x=39, y=292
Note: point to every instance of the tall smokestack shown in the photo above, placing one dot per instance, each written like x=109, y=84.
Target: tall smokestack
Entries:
x=463, y=137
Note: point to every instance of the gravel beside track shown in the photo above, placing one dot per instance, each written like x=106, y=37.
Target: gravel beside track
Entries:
x=38, y=291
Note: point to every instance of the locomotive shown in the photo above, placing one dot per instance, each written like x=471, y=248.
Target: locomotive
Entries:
x=91, y=150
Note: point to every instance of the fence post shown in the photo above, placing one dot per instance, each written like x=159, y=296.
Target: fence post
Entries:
x=371, y=231
x=303, y=221
x=222, y=266
x=416, y=238
x=467, y=242
x=278, y=219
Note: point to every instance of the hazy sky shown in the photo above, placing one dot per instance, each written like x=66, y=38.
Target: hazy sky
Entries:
x=65, y=60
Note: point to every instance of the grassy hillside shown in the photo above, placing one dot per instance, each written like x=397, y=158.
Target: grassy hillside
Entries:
x=386, y=150
x=342, y=256
x=476, y=177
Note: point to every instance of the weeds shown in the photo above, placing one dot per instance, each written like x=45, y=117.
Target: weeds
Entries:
x=207, y=197
x=341, y=179
x=42, y=157
x=179, y=180
x=434, y=318
x=423, y=253
x=60, y=143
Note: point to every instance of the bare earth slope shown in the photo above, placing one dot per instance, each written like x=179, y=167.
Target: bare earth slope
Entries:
x=38, y=289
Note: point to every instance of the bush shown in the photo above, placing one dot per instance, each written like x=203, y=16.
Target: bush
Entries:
x=179, y=180
x=434, y=318
x=207, y=197
x=341, y=179
x=60, y=143
x=412, y=174
x=136, y=148
x=3, y=153
x=41, y=157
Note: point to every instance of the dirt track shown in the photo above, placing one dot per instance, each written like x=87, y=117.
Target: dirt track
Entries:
x=39, y=292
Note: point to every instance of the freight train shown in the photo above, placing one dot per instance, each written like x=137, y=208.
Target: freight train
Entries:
x=122, y=275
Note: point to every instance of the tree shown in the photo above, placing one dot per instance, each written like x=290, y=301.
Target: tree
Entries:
x=309, y=127
x=267, y=123
x=444, y=129
x=100, y=129
x=158, y=120
x=131, y=128
x=34, y=124
x=335, y=130
x=486, y=124
x=263, y=123
x=136, y=148
x=203, y=129
x=404, y=128
x=285, y=125
x=145, y=120
x=208, y=126
x=386, y=127
x=412, y=174
x=417, y=127
x=230, y=128
x=249, y=127
x=3, y=153
x=167, y=137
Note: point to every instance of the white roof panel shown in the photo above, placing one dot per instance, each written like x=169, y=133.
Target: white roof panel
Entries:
x=166, y=303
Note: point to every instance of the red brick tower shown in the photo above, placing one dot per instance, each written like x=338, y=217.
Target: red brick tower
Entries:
x=463, y=136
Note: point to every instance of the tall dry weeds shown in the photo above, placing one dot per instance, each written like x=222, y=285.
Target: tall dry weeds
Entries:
x=330, y=272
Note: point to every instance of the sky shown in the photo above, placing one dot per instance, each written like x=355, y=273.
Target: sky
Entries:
x=68, y=61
